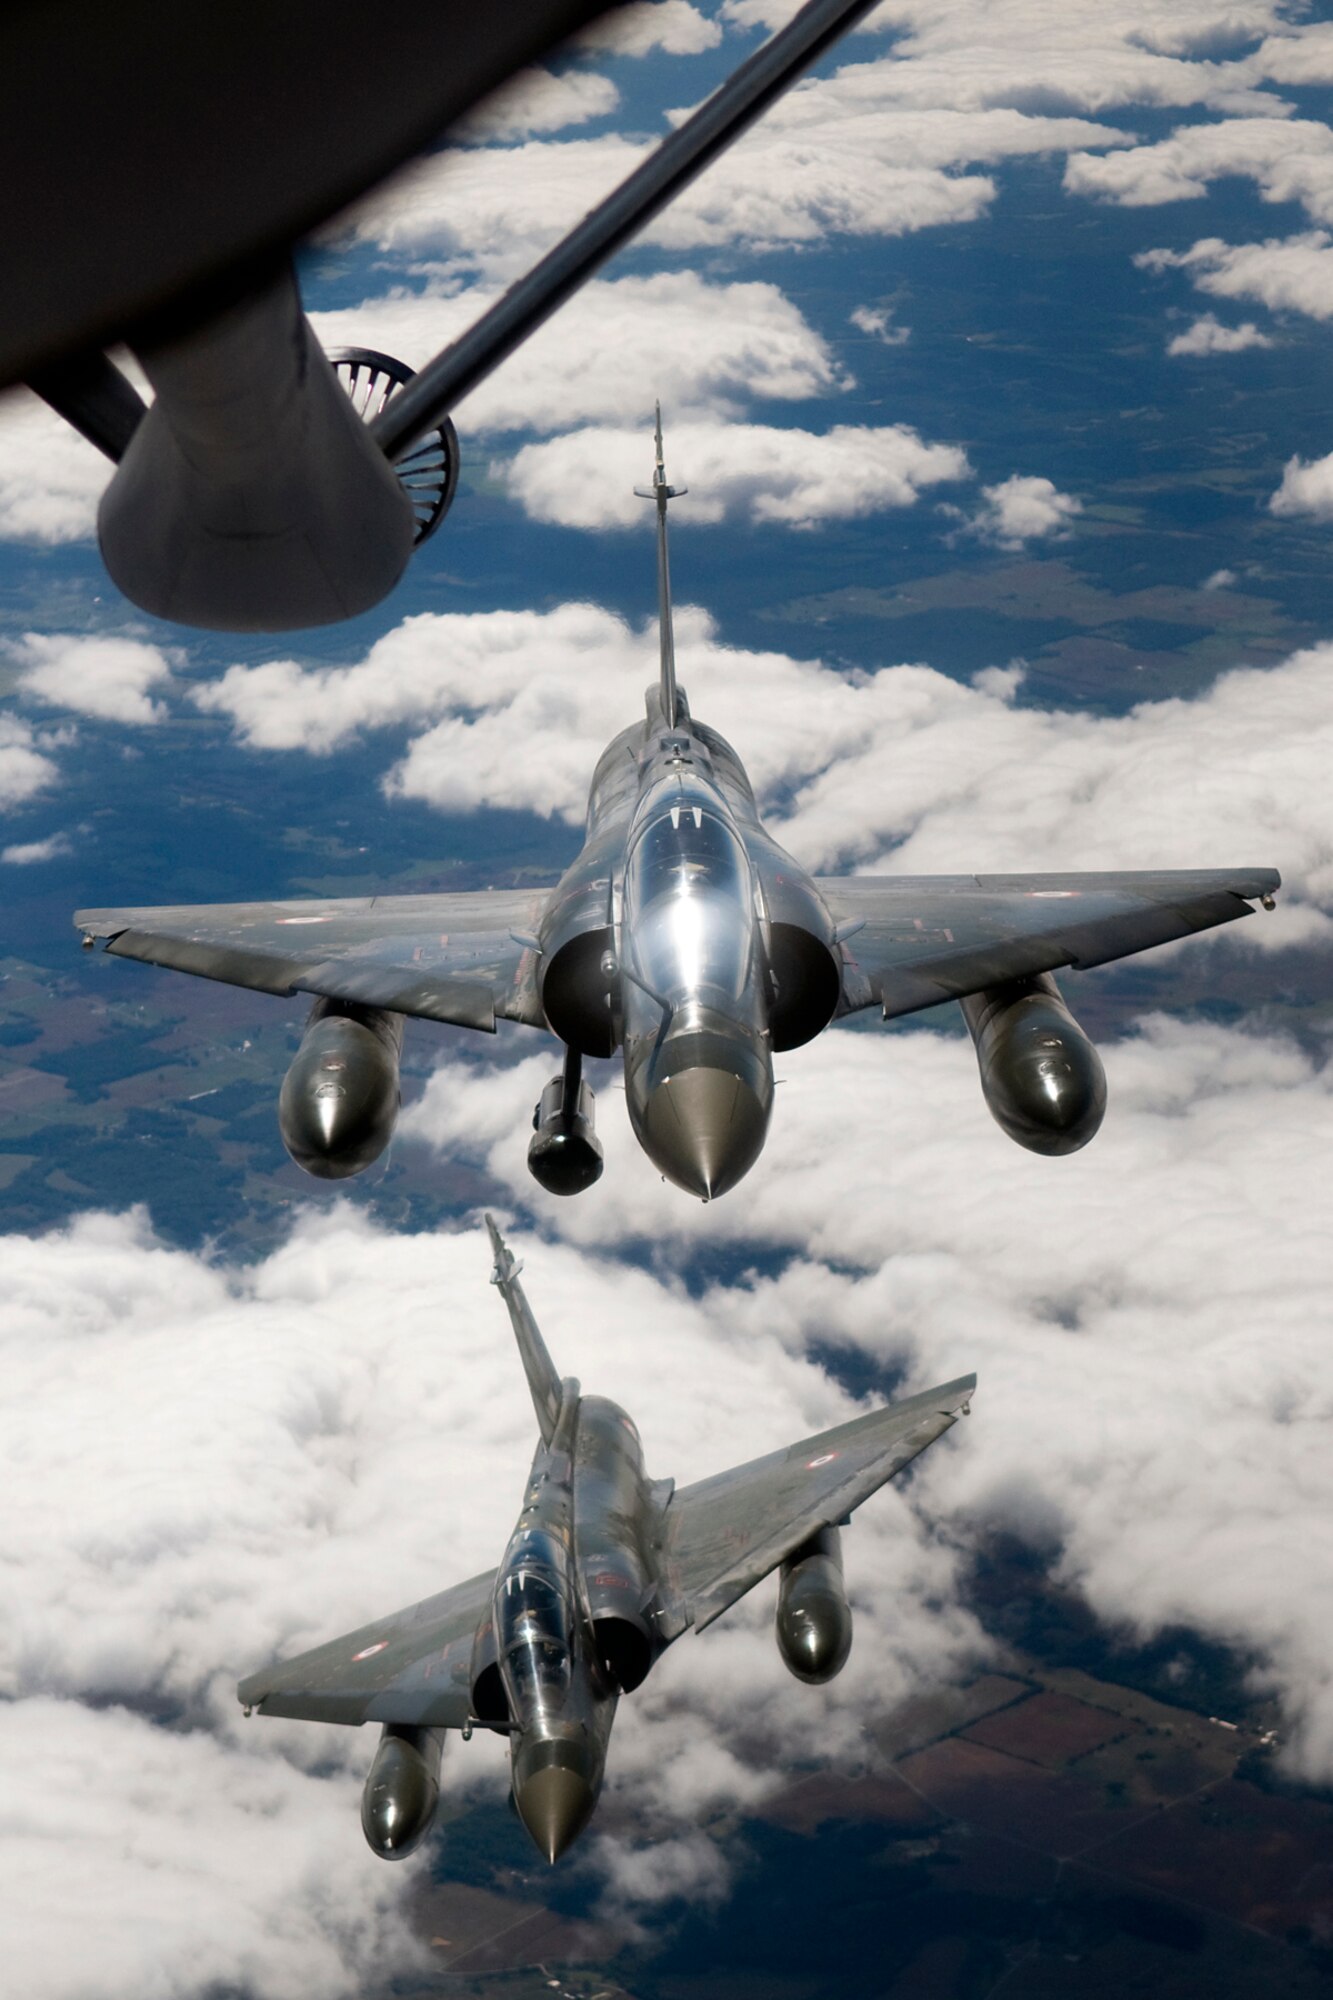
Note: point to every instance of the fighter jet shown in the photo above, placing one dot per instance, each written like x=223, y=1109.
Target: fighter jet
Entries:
x=604, y=1569
x=684, y=936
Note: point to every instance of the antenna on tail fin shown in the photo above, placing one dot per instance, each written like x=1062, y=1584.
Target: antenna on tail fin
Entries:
x=537, y=1364
x=661, y=493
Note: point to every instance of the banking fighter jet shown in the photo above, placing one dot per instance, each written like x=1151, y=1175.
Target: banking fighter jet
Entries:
x=684, y=936
x=604, y=1569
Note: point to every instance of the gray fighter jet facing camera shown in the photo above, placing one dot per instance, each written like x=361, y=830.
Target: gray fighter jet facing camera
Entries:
x=683, y=935
x=605, y=1568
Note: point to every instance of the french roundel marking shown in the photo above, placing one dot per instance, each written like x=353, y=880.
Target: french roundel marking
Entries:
x=827, y=1459
x=367, y=1651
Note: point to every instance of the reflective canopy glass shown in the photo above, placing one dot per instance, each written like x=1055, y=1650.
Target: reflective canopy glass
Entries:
x=688, y=900
x=532, y=1624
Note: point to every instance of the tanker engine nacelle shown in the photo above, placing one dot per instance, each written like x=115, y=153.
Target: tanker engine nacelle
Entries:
x=402, y=1790
x=814, y=1621
x=1041, y=1077
x=340, y=1098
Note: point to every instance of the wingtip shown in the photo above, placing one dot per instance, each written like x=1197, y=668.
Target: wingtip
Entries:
x=955, y=1395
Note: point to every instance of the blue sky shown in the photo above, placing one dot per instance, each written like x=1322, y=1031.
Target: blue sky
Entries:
x=996, y=363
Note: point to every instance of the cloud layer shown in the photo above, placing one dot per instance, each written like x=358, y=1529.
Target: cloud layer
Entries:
x=288, y=1458
x=51, y=479
x=1182, y=1271
x=695, y=344
x=513, y=709
x=1287, y=274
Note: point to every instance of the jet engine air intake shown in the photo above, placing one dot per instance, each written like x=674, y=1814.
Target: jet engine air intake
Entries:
x=624, y=1649
x=1041, y=1077
x=489, y=1701
x=339, y=1101
x=619, y=1581
x=402, y=1791
x=806, y=985
x=578, y=982
x=814, y=1619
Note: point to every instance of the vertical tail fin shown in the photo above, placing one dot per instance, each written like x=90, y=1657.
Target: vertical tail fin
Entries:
x=661, y=493
x=537, y=1364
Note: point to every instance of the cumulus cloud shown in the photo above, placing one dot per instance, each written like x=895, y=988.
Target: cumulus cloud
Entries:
x=945, y=773
x=537, y=100
x=199, y=1868
x=879, y=322
x=843, y=156
x=1208, y=336
x=51, y=479
x=1024, y=509
x=1306, y=489
x=586, y=479
x=1293, y=273
x=1300, y=53
x=699, y=346
x=939, y=775
x=23, y=853
x=107, y=678
x=1087, y=56
x=1288, y=159
x=541, y=679
x=673, y=26
x=839, y=156
x=25, y=768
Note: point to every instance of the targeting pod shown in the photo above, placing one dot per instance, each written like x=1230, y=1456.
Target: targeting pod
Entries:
x=814, y=1620
x=339, y=1101
x=565, y=1155
x=1041, y=1077
x=402, y=1791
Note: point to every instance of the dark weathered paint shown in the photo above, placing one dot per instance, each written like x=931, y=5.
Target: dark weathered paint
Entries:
x=604, y=1569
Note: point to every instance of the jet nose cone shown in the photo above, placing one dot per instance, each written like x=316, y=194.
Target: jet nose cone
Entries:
x=704, y=1129
x=554, y=1805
